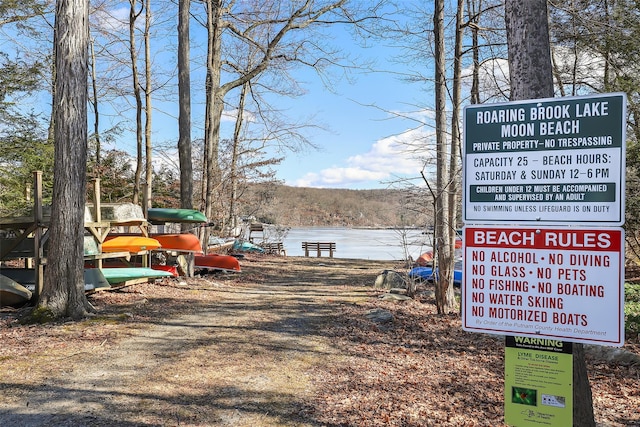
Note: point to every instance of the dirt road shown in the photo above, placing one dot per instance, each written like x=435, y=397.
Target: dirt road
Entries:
x=241, y=356
x=284, y=343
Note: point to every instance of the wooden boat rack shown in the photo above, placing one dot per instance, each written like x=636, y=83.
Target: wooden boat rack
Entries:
x=28, y=235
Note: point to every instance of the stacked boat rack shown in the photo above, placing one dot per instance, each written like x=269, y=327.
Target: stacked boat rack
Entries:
x=122, y=246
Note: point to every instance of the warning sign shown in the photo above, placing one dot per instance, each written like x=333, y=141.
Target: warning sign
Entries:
x=565, y=283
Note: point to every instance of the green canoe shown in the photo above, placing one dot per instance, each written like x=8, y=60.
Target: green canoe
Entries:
x=164, y=215
x=121, y=275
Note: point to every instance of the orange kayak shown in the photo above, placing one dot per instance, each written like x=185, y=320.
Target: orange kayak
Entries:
x=132, y=244
x=183, y=242
x=217, y=262
x=425, y=259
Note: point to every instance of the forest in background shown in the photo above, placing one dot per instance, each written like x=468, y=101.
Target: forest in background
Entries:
x=316, y=207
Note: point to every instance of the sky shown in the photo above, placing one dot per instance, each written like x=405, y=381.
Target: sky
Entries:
x=362, y=143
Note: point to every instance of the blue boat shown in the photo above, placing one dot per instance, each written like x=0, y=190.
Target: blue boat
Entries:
x=242, y=246
x=427, y=274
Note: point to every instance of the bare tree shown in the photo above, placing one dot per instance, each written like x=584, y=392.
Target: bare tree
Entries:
x=184, y=100
x=137, y=91
x=445, y=299
x=63, y=293
x=531, y=77
x=148, y=110
x=276, y=32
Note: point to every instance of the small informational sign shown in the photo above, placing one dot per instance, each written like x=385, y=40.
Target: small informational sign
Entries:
x=538, y=382
x=561, y=283
x=547, y=161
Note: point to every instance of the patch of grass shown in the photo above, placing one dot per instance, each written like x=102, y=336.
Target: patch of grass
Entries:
x=632, y=309
x=39, y=315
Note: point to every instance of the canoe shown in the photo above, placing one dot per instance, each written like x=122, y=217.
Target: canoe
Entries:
x=427, y=274
x=119, y=213
x=164, y=215
x=132, y=244
x=183, y=242
x=120, y=275
x=12, y=292
x=218, y=245
x=241, y=246
x=173, y=269
x=93, y=278
x=425, y=259
x=217, y=262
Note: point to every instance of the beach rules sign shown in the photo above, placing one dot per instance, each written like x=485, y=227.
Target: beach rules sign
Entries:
x=561, y=283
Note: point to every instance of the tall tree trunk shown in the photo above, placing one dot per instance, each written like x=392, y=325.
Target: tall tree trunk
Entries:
x=133, y=16
x=184, y=97
x=454, y=160
x=233, y=172
x=530, y=71
x=214, y=108
x=531, y=77
x=474, y=16
x=63, y=292
x=94, y=102
x=445, y=299
x=52, y=119
x=148, y=110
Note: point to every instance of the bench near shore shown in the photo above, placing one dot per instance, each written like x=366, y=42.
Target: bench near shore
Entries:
x=318, y=248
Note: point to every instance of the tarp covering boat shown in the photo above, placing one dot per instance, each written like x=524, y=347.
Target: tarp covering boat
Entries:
x=164, y=215
x=12, y=292
x=427, y=274
x=132, y=244
x=119, y=213
x=242, y=246
x=94, y=280
x=217, y=262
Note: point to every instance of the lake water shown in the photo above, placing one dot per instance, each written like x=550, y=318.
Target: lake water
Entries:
x=361, y=243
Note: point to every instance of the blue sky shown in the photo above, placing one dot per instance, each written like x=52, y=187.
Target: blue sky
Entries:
x=363, y=144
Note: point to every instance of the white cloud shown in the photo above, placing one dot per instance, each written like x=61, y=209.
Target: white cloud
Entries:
x=401, y=155
x=111, y=20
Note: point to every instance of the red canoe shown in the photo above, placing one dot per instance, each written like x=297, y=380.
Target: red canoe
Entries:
x=425, y=259
x=217, y=262
x=168, y=268
x=183, y=242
